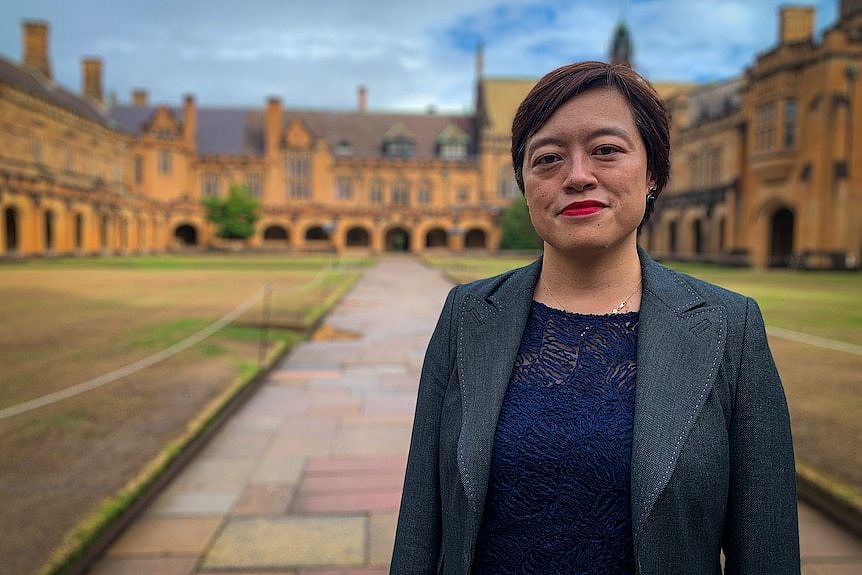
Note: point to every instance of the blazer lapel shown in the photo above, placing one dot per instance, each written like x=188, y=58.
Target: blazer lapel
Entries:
x=680, y=343
x=489, y=336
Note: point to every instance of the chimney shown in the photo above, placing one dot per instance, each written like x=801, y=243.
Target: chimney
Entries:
x=91, y=72
x=140, y=98
x=190, y=121
x=362, y=99
x=36, y=46
x=797, y=24
x=273, y=126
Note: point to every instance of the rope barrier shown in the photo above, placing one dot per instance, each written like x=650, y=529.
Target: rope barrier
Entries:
x=166, y=353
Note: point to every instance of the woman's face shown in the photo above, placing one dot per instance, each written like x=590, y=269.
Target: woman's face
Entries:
x=585, y=175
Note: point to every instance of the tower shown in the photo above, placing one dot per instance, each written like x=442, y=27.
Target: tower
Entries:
x=622, y=51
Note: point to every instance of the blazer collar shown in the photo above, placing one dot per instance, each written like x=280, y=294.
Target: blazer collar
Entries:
x=680, y=341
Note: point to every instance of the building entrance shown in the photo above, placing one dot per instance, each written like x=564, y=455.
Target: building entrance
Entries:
x=781, y=238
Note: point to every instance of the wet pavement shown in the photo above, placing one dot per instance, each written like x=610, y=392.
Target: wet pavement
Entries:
x=306, y=477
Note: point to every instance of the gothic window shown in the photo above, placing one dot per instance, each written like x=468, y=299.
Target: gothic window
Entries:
x=507, y=186
x=425, y=189
x=165, y=161
x=139, y=169
x=299, y=176
x=254, y=183
x=401, y=193
x=764, y=128
x=376, y=192
x=343, y=188
x=789, y=124
x=210, y=185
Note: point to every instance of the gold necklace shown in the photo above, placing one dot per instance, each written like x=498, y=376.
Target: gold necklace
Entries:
x=616, y=310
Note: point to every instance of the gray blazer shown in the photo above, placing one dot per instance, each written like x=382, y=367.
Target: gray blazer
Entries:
x=712, y=461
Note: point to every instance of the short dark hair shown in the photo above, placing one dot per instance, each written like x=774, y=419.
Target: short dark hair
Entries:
x=561, y=85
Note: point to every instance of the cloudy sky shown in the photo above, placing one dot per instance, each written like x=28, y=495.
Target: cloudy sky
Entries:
x=410, y=54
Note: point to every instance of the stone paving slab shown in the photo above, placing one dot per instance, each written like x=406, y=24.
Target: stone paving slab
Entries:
x=154, y=566
x=166, y=536
x=289, y=542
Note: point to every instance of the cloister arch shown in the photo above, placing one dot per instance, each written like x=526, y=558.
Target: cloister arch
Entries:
x=397, y=239
x=48, y=230
x=316, y=233
x=78, y=232
x=697, y=236
x=475, y=238
x=436, y=238
x=186, y=235
x=12, y=223
x=275, y=233
x=357, y=237
x=781, y=225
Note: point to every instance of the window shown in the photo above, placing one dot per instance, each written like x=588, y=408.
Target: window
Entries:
x=343, y=188
x=164, y=161
x=343, y=148
x=453, y=150
x=210, y=185
x=400, y=147
x=425, y=192
x=299, y=176
x=764, y=131
x=715, y=158
x=254, y=183
x=36, y=149
x=70, y=160
x=401, y=193
x=139, y=169
x=299, y=167
x=789, y=124
x=463, y=195
x=376, y=193
x=298, y=189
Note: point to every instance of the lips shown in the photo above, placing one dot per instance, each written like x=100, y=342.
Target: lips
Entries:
x=583, y=208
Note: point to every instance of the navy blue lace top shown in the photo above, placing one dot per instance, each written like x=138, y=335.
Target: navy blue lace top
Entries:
x=558, y=496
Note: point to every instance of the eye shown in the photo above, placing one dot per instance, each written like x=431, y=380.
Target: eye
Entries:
x=606, y=150
x=546, y=159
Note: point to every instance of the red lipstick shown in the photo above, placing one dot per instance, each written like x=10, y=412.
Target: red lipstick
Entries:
x=584, y=208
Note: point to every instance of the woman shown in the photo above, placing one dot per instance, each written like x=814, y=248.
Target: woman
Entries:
x=595, y=412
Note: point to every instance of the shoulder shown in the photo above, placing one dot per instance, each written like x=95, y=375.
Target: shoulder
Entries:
x=686, y=288
x=501, y=286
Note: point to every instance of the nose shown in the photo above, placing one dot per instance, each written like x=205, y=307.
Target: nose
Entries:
x=579, y=175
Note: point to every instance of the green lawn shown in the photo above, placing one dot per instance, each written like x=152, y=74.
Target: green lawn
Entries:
x=825, y=304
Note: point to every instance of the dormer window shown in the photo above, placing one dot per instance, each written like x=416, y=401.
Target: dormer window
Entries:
x=400, y=147
x=399, y=142
x=452, y=143
x=343, y=149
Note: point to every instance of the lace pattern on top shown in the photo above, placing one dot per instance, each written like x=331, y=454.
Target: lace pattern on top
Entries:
x=558, y=496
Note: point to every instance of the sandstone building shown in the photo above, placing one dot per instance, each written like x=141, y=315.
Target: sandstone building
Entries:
x=766, y=168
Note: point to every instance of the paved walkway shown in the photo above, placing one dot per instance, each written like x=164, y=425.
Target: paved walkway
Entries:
x=306, y=477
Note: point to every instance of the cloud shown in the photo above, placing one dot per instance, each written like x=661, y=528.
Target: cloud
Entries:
x=410, y=54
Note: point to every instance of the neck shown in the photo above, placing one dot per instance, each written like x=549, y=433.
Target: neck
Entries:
x=590, y=283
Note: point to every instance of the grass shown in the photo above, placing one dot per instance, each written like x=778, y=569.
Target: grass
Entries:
x=67, y=321
x=822, y=385
x=824, y=304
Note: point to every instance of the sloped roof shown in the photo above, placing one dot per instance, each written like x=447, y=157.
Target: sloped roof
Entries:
x=366, y=131
x=49, y=91
x=236, y=131
x=232, y=131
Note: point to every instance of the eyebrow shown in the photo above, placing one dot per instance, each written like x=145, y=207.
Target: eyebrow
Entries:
x=598, y=132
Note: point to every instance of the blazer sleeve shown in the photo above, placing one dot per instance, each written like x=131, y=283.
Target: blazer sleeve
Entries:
x=418, y=534
x=761, y=532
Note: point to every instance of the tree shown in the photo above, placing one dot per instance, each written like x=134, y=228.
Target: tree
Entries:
x=234, y=216
x=517, y=230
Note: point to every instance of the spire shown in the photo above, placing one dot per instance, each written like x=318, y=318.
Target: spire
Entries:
x=622, y=51
x=480, y=61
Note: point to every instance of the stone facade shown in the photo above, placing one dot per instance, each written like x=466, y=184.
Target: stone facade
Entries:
x=766, y=166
